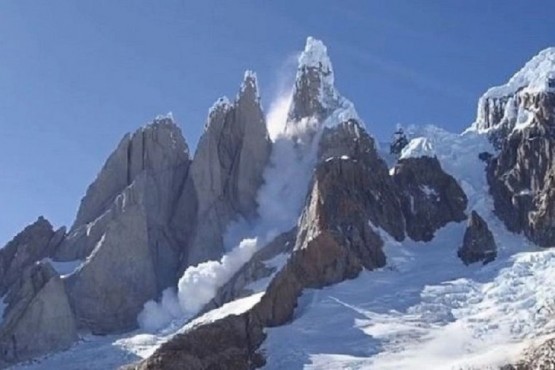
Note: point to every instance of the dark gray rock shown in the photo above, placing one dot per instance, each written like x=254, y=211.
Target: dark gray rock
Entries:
x=334, y=242
x=430, y=198
x=520, y=176
x=314, y=94
x=35, y=242
x=351, y=149
x=227, y=170
x=38, y=318
x=478, y=242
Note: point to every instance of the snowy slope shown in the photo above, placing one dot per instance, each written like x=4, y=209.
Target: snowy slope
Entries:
x=426, y=309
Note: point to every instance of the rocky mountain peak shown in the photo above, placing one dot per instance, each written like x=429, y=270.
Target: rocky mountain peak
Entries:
x=315, y=56
x=249, y=87
x=157, y=146
x=526, y=99
x=314, y=93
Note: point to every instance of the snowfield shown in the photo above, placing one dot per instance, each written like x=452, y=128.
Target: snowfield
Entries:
x=424, y=310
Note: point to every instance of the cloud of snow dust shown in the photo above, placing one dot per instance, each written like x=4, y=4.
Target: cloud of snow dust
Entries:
x=280, y=201
x=277, y=116
x=196, y=288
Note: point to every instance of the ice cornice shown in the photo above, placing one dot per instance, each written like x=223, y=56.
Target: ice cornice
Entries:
x=537, y=75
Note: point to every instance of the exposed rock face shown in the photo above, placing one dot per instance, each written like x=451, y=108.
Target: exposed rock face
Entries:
x=108, y=291
x=35, y=242
x=478, y=242
x=314, y=83
x=124, y=229
x=502, y=108
x=334, y=242
x=315, y=100
x=430, y=198
x=38, y=318
x=227, y=169
x=351, y=144
x=520, y=177
x=520, y=119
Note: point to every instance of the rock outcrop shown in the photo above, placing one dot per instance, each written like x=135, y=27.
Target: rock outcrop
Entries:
x=227, y=169
x=430, y=198
x=38, y=318
x=334, y=242
x=520, y=180
x=350, y=143
x=478, y=242
x=35, y=242
x=316, y=103
x=519, y=117
x=108, y=291
x=123, y=230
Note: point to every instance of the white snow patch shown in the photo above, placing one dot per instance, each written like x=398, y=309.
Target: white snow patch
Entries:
x=430, y=192
x=144, y=345
x=222, y=103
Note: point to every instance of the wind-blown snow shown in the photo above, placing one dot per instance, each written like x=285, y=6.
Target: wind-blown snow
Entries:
x=426, y=309
x=280, y=201
x=277, y=116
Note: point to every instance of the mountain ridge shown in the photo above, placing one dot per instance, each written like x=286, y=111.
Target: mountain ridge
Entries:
x=226, y=233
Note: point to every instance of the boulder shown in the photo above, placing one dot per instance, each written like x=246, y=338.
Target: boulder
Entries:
x=478, y=242
x=38, y=318
x=430, y=197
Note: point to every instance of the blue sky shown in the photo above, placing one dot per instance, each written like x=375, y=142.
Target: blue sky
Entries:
x=76, y=75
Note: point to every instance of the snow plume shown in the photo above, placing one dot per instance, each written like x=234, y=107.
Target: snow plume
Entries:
x=283, y=87
x=280, y=201
x=277, y=116
x=196, y=288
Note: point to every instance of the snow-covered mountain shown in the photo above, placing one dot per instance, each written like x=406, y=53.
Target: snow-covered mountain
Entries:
x=287, y=241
